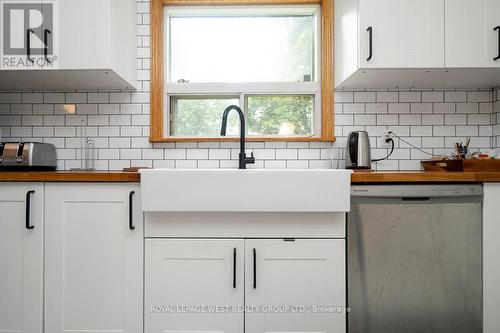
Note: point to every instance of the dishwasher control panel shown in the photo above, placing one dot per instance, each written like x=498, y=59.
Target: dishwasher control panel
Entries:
x=408, y=191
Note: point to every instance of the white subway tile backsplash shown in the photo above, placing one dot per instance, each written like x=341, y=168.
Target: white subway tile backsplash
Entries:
x=434, y=119
x=286, y=154
x=399, y=108
x=387, y=97
x=467, y=131
x=32, y=98
x=354, y=108
x=479, y=119
x=342, y=96
x=455, y=119
x=120, y=97
x=455, y=96
x=410, y=120
x=410, y=96
x=219, y=154
x=21, y=109
x=421, y=108
x=9, y=98
x=309, y=154
x=387, y=120
x=197, y=154
x=365, y=96
x=175, y=154
x=53, y=98
x=433, y=96
x=119, y=142
x=376, y=108
x=76, y=98
x=118, y=121
x=98, y=98
x=467, y=108
x=421, y=131
x=66, y=131
x=444, y=107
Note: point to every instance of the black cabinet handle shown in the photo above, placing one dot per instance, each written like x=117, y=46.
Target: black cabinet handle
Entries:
x=28, y=210
x=234, y=268
x=497, y=28
x=46, y=33
x=28, y=45
x=254, y=269
x=370, y=45
x=131, y=210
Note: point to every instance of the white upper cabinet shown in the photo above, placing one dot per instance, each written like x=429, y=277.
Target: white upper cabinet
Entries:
x=83, y=33
x=21, y=257
x=401, y=33
x=423, y=44
x=93, y=258
x=472, y=33
x=70, y=44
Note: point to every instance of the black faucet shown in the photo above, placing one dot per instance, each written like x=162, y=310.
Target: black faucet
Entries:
x=244, y=160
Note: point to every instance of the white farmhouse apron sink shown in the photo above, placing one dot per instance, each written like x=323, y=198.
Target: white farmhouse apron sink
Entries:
x=230, y=190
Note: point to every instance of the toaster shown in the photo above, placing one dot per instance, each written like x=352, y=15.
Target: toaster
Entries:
x=27, y=156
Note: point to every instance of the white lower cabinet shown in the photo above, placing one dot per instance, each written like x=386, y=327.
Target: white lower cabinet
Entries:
x=21, y=257
x=189, y=273
x=308, y=276
x=282, y=284
x=93, y=258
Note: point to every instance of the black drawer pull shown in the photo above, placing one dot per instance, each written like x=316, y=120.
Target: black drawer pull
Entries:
x=28, y=45
x=46, y=33
x=28, y=210
x=497, y=28
x=131, y=210
x=234, y=268
x=254, y=269
x=370, y=45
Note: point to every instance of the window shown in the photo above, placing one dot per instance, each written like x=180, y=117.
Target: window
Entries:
x=269, y=60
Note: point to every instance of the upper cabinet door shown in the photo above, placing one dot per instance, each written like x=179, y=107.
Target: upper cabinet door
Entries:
x=93, y=258
x=21, y=257
x=300, y=272
x=401, y=33
x=471, y=38
x=194, y=272
x=82, y=29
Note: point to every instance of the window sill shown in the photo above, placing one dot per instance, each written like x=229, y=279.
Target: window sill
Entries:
x=248, y=139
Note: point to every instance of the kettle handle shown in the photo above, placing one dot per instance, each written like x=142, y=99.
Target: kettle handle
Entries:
x=353, y=148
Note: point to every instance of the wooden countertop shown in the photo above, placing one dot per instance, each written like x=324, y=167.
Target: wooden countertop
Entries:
x=358, y=177
x=69, y=176
x=423, y=177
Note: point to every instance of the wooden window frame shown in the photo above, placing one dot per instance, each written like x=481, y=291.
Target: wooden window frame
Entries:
x=157, y=70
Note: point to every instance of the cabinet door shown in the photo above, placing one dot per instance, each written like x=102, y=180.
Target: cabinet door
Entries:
x=405, y=33
x=84, y=31
x=491, y=266
x=471, y=40
x=21, y=257
x=183, y=272
x=93, y=260
x=304, y=273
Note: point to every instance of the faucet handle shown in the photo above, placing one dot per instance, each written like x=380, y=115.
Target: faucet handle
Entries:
x=251, y=159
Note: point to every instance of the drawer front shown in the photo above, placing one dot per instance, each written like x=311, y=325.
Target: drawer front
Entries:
x=244, y=225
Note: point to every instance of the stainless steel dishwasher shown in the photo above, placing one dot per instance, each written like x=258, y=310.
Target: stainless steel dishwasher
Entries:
x=414, y=259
